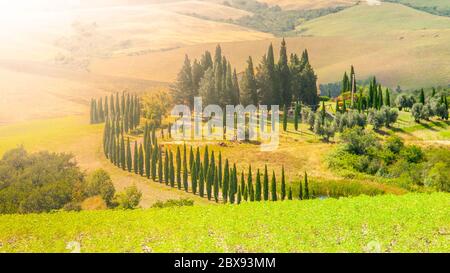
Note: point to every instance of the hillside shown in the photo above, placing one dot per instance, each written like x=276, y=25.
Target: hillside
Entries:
x=409, y=223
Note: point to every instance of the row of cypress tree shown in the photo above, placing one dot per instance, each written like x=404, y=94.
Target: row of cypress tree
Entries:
x=204, y=175
x=125, y=108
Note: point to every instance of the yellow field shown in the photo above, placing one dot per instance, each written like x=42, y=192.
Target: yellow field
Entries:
x=309, y=4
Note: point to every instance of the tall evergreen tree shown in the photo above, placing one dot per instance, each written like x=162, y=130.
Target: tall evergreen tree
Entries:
x=266, y=184
x=388, y=98
x=300, y=191
x=141, y=160
x=258, y=186
x=136, y=158
x=284, y=76
x=166, y=167
x=274, y=187
x=183, y=89
x=296, y=116
x=290, y=193
x=178, y=163
x=216, y=186
x=306, y=187
x=219, y=173
x=185, y=171
x=156, y=159
x=250, y=184
x=422, y=97
x=129, y=158
x=201, y=183
x=209, y=182
x=160, y=165
x=194, y=178
x=122, y=154
x=248, y=85
x=225, y=183
x=171, y=170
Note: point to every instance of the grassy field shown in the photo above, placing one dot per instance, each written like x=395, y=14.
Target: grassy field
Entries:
x=408, y=223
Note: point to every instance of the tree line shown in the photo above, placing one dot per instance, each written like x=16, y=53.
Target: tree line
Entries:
x=124, y=110
x=269, y=83
x=201, y=173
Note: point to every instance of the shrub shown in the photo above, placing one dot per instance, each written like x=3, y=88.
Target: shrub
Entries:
x=173, y=203
x=439, y=177
x=129, y=198
x=412, y=154
x=358, y=141
x=394, y=144
x=416, y=111
x=99, y=183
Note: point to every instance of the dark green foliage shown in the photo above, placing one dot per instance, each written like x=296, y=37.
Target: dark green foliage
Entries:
x=39, y=182
x=306, y=187
x=136, y=158
x=290, y=193
x=194, y=178
x=216, y=186
x=166, y=167
x=274, y=187
x=201, y=183
x=226, y=180
x=129, y=157
x=266, y=184
x=296, y=115
x=160, y=165
x=171, y=170
x=285, y=118
x=178, y=170
x=258, y=187
x=141, y=160
x=250, y=190
x=422, y=96
x=300, y=191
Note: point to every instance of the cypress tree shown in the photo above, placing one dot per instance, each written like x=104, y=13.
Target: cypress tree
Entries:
x=337, y=105
x=129, y=158
x=122, y=154
x=117, y=159
x=239, y=196
x=194, y=178
x=232, y=188
x=283, y=184
x=422, y=97
x=147, y=162
x=201, y=183
x=205, y=160
x=178, y=163
x=197, y=159
x=185, y=171
x=388, y=98
x=258, y=187
x=136, y=158
x=250, y=184
x=111, y=105
x=266, y=184
x=166, y=167
x=106, y=108
x=285, y=114
x=92, y=112
x=290, y=193
x=156, y=153
x=296, y=116
x=160, y=166
x=141, y=160
x=433, y=92
x=216, y=186
x=106, y=139
x=209, y=182
x=171, y=170
x=219, y=173
x=191, y=158
x=380, y=97
x=226, y=174
x=306, y=187
x=274, y=187
x=284, y=76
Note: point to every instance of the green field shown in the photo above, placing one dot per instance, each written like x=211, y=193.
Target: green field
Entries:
x=408, y=223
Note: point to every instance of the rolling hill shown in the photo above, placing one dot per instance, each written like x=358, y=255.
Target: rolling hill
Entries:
x=401, y=45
